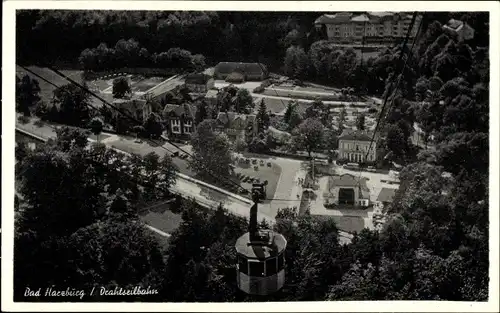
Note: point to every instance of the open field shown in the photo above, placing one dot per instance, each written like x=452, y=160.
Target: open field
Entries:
x=145, y=84
x=349, y=224
x=162, y=218
x=250, y=86
x=301, y=94
x=46, y=89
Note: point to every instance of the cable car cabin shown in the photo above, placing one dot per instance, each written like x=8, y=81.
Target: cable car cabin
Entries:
x=261, y=262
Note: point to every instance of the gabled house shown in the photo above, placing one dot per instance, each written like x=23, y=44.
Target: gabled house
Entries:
x=347, y=190
x=236, y=126
x=211, y=96
x=136, y=108
x=460, y=29
x=180, y=119
x=199, y=83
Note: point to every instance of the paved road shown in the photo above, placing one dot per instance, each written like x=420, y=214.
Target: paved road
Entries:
x=259, y=96
x=182, y=185
x=286, y=190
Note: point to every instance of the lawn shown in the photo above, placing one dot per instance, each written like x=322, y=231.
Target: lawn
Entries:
x=349, y=224
x=101, y=137
x=146, y=84
x=75, y=75
x=271, y=174
x=298, y=94
x=316, y=89
x=98, y=103
x=46, y=89
x=272, y=104
x=100, y=84
x=162, y=218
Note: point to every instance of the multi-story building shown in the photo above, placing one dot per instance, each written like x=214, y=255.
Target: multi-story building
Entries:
x=134, y=107
x=199, y=83
x=179, y=119
x=367, y=28
x=354, y=145
x=236, y=126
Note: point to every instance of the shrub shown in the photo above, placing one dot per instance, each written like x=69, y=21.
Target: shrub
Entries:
x=39, y=123
x=23, y=119
x=259, y=89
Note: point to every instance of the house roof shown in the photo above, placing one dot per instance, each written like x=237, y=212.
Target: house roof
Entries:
x=347, y=180
x=185, y=110
x=129, y=103
x=212, y=93
x=454, y=24
x=247, y=68
x=346, y=17
x=360, y=18
x=166, y=86
x=350, y=134
x=386, y=195
x=199, y=79
x=234, y=120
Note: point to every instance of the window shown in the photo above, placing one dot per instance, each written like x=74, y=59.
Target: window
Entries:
x=281, y=261
x=188, y=123
x=176, y=129
x=176, y=122
x=256, y=268
x=243, y=265
x=187, y=129
x=271, y=266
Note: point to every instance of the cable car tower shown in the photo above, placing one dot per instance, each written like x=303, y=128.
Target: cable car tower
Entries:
x=261, y=254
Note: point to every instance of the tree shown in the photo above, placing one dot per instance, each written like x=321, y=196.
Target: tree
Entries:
x=243, y=102
x=310, y=135
x=342, y=115
x=240, y=146
x=331, y=139
x=73, y=104
x=27, y=93
x=96, y=125
x=396, y=141
x=262, y=117
x=152, y=125
x=139, y=130
x=201, y=112
x=360, y=121
x=121, y=87
x=292, y=116
x=296, y=63
x=115, y=252
x=211, y=153
x=315, y=110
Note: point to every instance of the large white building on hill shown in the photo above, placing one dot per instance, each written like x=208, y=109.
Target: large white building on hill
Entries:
x=367, y=28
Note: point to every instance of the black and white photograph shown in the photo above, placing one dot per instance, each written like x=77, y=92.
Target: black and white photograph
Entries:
x=213, y=154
